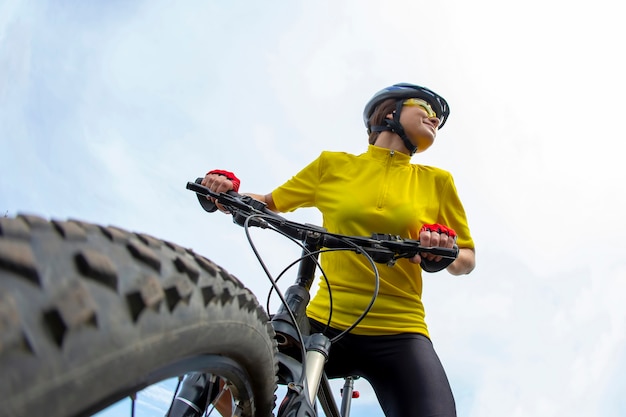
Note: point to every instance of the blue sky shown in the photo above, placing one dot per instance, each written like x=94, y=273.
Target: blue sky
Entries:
x=108, y=108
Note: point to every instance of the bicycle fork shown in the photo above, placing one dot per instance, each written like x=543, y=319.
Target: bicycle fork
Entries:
x=286, y=322
x=317, y=354
x=317, y=349
x=302, y=391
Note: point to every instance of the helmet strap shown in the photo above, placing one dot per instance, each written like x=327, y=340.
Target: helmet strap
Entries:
x=393, y=125
x=396, y=127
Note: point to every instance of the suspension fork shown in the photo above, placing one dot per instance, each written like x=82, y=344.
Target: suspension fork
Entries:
x=317, y=349
x=297, y=298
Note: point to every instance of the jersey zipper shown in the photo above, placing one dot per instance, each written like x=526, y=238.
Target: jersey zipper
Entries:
x=385, y=183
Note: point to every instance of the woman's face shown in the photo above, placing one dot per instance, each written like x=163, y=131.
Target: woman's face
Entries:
x=419, y=123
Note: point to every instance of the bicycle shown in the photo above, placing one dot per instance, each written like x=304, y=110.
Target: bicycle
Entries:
x=92, y=314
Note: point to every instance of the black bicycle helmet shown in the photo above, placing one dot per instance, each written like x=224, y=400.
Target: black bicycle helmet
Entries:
x=402, y=92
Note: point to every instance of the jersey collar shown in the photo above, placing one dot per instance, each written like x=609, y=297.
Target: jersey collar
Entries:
x=384, y=155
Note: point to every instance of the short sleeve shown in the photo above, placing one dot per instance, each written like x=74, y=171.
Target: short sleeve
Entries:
x=452, y=214
x=300, y=190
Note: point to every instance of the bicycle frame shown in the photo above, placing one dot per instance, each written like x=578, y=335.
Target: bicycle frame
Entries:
x=301, y=355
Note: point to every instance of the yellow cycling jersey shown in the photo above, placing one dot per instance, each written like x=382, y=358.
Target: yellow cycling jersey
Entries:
x=379, y=191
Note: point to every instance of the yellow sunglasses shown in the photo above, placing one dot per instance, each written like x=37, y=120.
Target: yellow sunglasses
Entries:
x=421, y=103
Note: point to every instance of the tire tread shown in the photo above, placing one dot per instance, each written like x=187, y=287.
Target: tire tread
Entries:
x=82, y=304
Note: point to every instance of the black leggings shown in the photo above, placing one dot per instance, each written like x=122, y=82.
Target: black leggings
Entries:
x=403, y=369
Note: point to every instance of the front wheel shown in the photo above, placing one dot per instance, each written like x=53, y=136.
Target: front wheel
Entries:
x=92, y=314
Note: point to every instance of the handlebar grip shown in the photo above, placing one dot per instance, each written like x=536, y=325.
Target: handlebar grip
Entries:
x=203, y=192
x=450, y=253
x=206, y=204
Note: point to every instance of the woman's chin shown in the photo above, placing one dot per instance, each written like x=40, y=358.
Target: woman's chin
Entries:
x=424, y=143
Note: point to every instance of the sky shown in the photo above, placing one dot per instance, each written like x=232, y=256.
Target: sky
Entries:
x=108, y=108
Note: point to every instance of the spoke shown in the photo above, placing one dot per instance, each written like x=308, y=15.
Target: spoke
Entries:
x=180, y=380
x=237, y=410
x=133, y=399
x=223, y=402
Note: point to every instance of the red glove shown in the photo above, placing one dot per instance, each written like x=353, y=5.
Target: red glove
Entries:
x=439, y=228
x=232, y=177
x=432, y=265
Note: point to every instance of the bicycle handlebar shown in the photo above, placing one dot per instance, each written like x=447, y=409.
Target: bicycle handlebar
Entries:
x=383, y=248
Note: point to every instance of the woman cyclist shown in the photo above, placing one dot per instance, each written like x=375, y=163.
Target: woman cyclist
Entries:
x=381, y=191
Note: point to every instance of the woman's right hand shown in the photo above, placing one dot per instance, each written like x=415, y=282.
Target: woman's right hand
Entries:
x=220, y=181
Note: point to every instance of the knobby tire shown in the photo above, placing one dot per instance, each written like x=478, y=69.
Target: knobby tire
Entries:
x=91, y=314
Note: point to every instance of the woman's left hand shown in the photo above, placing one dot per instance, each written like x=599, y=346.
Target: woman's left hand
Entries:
x=434, y=235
